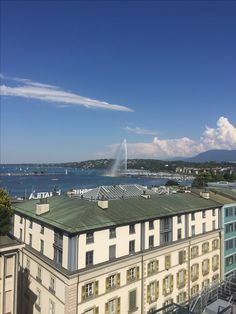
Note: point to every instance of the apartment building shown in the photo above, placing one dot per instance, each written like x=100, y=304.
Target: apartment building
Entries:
x=118, y=256
x=9, y=268
x=227, y=197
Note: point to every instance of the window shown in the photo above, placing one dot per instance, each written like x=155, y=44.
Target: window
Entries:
x=89, y=258
x=205, y=284
x=215, y=279
x=42, y=229
x=204, y=227
x=38, y=300
x=215, y=262
x=39, y=274
x=179, y=234
x=30, y=239
x=112, y=252
x=28, y=263
x=182, y=257
x=205, y=247
x=181, y=278
x=229, y=244
x=192, y=216
x=58, y=247
x=213, y=212
x=30, y=224
x=132, y=301
x=9, y=266
x=20, y=234
x=181, y=297
x=167, y=262
x=89, y=237
x=132, y=247
x=194, y=290
x=132, y=274
x=179, y=219
x=21, y=219
x=166, y=237
x=51, y=307
x=52, y=285
x=168, y=285
x=112, y=233
x=41, y=246
x=194, y=251
x=205, y=267
x=229, y=260
x=112, y=281
x=194, y=272
x=90, y=290
x=229, y=228
x=152, y=267
x=193, y=231
x=132, y=229
x=113, y=306
x=152, y=291
x=229, y=211
x=213, y=225
x=151, y=225
x=203, y=214
x=215, y=244
x=151, y=242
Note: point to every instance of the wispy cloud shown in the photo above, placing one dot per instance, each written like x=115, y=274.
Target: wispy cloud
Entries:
x=141, y=131
x=223, y=136
x=49, y=93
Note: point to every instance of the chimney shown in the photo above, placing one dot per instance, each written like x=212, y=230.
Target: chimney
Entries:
x=205, y=195
x=42, y=207
x=103, y=204
x=146, y=196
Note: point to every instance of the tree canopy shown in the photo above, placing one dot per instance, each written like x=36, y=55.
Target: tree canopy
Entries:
x=6, y=212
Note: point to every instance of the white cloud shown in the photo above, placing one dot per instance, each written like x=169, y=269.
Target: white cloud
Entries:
x=141, y=131
x=34, y=90
x=223, y=136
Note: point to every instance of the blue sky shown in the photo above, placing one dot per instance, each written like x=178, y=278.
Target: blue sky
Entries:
x=161, y=74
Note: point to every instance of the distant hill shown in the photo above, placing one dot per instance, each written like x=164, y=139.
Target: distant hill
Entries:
x=217, y=155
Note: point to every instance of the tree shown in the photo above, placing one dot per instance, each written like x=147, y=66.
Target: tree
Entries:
x=171, y=183
x=6, y=212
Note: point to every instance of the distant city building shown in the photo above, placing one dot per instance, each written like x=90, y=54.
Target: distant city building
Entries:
x=117, y=256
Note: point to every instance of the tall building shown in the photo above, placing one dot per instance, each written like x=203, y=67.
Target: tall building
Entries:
x=227, y=197
x=9, y=269
x=117, y=256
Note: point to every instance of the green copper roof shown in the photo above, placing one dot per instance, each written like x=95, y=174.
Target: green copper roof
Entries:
x=78, y=215
x=227, y=195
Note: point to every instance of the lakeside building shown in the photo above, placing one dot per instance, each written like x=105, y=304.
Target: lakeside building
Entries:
x=9, y=269
x=227, y=197
x=119, y=256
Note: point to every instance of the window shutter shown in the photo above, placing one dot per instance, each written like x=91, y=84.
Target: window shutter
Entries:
x=197, y=270
x=157, y=289
x=118, y=306
x=164, y=287
x=197, y=250
x=83, y=296
x=203, y=248
x=184, y=256
x=191, y=272
x=149, y=268
x=177, y=299
x=185, y=295
x=96, y=288
x=185, y=276
x=118, y=280
x=106, y=308
x=128, y=275
x=208, y=266
x=171, y=282
x=208, y=246
x=137, y=270
x=157, y=265
x=177, y=277
x=107, y=283
x=96, y=310
x=148, y=294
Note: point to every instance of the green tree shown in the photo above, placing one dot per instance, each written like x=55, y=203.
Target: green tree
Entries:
x=6, y=212
x=171, y=183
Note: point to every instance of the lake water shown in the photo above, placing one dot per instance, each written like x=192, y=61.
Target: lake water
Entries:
x=26, y=178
